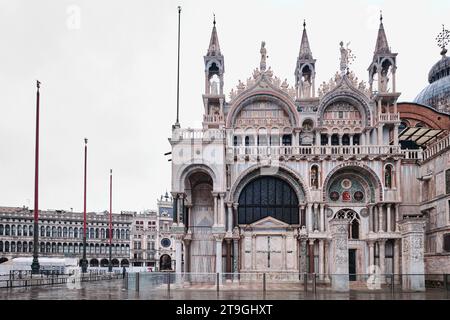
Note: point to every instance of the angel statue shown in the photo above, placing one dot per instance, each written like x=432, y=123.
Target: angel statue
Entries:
x=263, y=52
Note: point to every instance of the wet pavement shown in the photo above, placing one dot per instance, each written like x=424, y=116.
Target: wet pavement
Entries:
x=115, y=290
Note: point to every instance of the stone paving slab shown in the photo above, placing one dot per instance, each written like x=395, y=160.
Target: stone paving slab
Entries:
x=114, y=290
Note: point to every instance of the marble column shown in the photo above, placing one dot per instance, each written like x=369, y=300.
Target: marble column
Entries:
x=230, y=217
x=397, y=257
x=302, y=263
x=396, y=135
x=187, y=255
x=376, y=226
x=219, y=239
x=397, y=216
x=215, y=195
x=388, y=218
x=309, y=218
x=228, y=259
x=339, y=257
x=413, y=237
x=178, y=255
x=181, y=209
x=300, y=218
x=321, y=259
x=382, y=254
x=370, y=208
x=221, y=210
x=283, y=253
x=311, y=255
x=253, y=252
x=322, y=217
x=329, y=139
x=316, y=216
x=317, y=138
x=380, y=218
x=380, y=134
x=175, y=207
x=235, y=259
x=371, y=254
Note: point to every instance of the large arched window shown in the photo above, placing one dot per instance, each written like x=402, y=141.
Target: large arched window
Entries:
x=268, y=196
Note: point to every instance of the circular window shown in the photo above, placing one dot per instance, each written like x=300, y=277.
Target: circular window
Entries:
x=358, y=195
x=334, y=196
x=165, y=242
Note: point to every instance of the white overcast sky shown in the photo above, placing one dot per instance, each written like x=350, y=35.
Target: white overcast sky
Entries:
x=111, y=76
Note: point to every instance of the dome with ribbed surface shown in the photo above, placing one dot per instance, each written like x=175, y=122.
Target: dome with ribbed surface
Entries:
x=437, y=93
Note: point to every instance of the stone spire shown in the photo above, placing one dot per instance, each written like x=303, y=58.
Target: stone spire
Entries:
x=305, y=70
x=305, y=50
x=382, y=46
x=214, y=48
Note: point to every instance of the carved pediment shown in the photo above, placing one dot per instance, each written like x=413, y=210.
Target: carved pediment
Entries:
x=269, y=223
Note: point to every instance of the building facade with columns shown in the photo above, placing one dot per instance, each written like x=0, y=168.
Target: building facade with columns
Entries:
x=61, y=235
x=152, y=241
x=301, y=178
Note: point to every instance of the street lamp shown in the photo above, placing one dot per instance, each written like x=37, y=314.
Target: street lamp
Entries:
x=84, y=261
x=110, y=221
x=35, y=264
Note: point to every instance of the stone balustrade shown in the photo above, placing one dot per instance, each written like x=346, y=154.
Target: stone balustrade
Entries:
x=213, y=118
x=389, y=117
x=274, y=151
x=198, y=134
x=437, y=147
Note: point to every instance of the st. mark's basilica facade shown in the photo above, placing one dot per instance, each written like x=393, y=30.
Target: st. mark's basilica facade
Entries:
x=336, y=178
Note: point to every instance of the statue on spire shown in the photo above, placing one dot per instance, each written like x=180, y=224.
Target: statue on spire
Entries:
x=263, y=52
x=347, y=57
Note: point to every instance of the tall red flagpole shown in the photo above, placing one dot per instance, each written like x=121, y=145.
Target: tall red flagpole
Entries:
x=35, y=264
x=110, y=221
x=84, y=261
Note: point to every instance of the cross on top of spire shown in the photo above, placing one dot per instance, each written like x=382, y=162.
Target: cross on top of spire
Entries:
x=382, y=46
x=214, y=48
x=305, y=50
x=443, y=39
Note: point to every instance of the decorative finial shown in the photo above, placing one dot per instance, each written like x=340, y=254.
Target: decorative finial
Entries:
x=179, y=9
x=381, y=16
x=38, y=84
x=110, y=171
x=214, y=21
x=304, y=24
x=85, y=140
x=442, y=39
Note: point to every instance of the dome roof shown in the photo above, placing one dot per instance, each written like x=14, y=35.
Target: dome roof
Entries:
x=437, y=93
x=440, y=69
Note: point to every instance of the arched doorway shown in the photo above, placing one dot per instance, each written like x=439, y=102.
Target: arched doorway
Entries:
x=124, y=263
x=354, y=253
x=165, y=263
x=199, y=187
x=93, y=263
x=3, y=259
x=104, y=262
x=115, y=262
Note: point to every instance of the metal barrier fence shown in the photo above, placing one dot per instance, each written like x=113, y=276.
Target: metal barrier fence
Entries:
x=280, y=281
x=25, y=278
